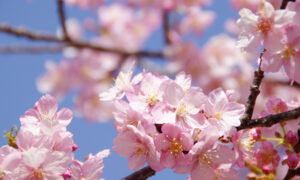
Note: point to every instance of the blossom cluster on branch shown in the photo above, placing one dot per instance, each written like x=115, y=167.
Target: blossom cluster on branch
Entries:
x=172, y=124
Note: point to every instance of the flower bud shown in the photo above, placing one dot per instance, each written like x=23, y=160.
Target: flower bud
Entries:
x=293, y=160
x=67, y=174
x=292, y=137
x=74, y=147
x=266, y=169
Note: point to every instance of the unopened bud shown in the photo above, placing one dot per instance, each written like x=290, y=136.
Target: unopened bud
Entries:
x=74, y=147
x=293, y=160
x=292, y=137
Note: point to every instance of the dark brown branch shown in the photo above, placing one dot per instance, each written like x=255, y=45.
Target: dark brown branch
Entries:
x=141, y=174
x=284, y=3
x=21, y=32
x=62, y=18
x=254, y=92
x=30, y=49
x=270, y=120
x=166, y=27
x=297, y=146
x=291, y=173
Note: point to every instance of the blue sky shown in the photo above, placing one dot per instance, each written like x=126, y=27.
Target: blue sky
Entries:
x=18, y=74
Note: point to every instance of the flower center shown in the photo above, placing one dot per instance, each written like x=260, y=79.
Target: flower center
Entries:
x=175, y=147
x=152, y=99
x=205, y=158
x=38, y=173
x=264, y=26
x=288, y=52
x=181, y=110
x=139, y=151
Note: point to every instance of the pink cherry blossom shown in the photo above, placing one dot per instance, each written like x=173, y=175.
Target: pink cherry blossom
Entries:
x=222, y=113
x=259, y=28
x=44, y=116
x=286, y=53
x=42, y=163
x=243, y=145
x=91, y=169
x=123, y=82
x=149, y=94
x=267, y=157
x=179, y=106
x=172, y=143
x=196, y=21
x=138, y=147
x=9, y=160
x=207, y=159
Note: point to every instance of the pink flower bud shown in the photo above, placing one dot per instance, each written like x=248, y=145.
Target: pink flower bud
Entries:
x=74, y=147
x=293, y=160
x=292, y=137
x=266, y=169
x=67, y=174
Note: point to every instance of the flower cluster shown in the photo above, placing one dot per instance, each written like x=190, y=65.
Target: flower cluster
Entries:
x=260, y=28
x=172, y=124
x=43, y=148
x=259, y=154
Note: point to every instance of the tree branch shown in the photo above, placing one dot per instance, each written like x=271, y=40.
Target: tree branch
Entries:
x=254, y=92
x=284, y=3
x=141, y=174
x=166, y=27
x=21, y=32
x=272, y=119
x=291, y=173
x=62, y=19
x=30, y=49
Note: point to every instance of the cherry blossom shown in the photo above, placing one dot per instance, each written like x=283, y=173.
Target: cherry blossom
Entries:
x=259, y=28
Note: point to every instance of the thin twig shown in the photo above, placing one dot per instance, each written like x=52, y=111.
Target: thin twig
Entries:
x=21, y=32
x=141, y=174
x=166, y=27
x=12, y=49
x=62, y=18
x=254, y=92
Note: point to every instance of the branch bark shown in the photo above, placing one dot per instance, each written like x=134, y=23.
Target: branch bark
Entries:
x=62, y=18
x=166, y=27
x=141, y=174
x=21, y=32
x=254, y=92
x=30, y=49
x=270, y=120
x=291, y=173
